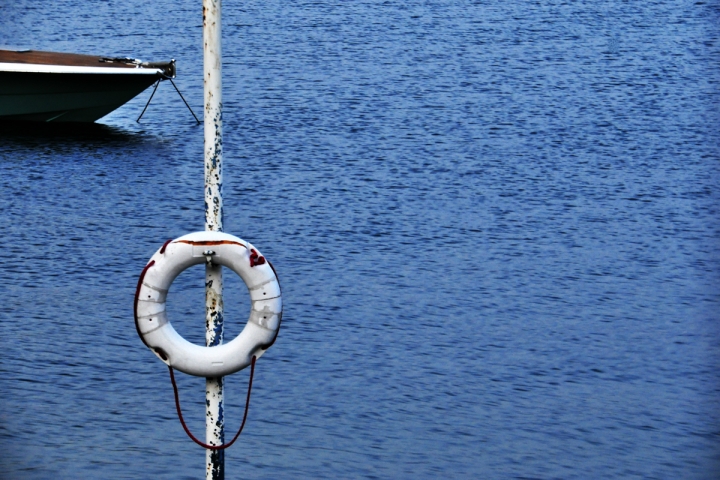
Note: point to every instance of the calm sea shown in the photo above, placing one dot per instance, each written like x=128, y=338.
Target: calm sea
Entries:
x=496, y=224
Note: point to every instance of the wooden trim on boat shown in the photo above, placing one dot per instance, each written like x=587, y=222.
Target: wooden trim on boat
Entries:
x=35, y=61
x=55, y=58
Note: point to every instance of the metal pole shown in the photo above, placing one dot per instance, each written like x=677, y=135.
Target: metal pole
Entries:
x=214, y=391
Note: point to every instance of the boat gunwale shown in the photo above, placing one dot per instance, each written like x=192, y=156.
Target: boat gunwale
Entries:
x=40, y=68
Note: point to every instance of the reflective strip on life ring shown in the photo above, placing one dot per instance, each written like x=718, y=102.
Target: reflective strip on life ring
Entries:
x=157, y=332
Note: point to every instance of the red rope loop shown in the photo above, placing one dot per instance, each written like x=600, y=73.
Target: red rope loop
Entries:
x=187, y=430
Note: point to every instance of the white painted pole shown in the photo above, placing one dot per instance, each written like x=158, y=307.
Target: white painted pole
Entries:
x=212, y=71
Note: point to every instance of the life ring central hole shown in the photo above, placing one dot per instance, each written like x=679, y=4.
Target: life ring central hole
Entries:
x=185, y=304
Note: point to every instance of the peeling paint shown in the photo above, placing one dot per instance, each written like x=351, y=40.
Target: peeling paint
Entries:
x=213, y=177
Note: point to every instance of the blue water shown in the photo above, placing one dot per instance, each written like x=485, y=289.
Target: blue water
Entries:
x=496, y=225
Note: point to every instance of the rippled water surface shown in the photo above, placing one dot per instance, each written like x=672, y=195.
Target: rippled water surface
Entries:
x=496, y=226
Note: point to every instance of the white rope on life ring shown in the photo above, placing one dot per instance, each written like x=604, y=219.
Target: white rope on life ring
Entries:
x=167, y=263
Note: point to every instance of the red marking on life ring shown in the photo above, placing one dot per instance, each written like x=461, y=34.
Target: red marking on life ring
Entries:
x=255, y=258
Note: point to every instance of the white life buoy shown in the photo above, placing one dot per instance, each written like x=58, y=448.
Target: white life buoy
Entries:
x=157, y=332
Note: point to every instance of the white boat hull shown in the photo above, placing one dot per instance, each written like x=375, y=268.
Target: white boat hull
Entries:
x=71, y=93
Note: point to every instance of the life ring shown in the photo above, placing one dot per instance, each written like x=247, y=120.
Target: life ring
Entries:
x=158, y=334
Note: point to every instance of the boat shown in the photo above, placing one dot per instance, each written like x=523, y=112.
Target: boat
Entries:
x=39, y=86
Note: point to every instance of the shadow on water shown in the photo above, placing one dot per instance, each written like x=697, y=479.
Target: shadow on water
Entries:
x=83, y=142
x=29, y=134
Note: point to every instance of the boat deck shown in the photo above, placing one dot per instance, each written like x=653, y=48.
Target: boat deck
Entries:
x=36, y=57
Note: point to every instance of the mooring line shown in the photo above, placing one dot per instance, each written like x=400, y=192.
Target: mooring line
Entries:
x=149, y=99
x=157, y=84
x=183, y=99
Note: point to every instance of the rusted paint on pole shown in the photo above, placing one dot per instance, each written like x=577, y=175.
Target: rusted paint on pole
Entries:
x=214, y=388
